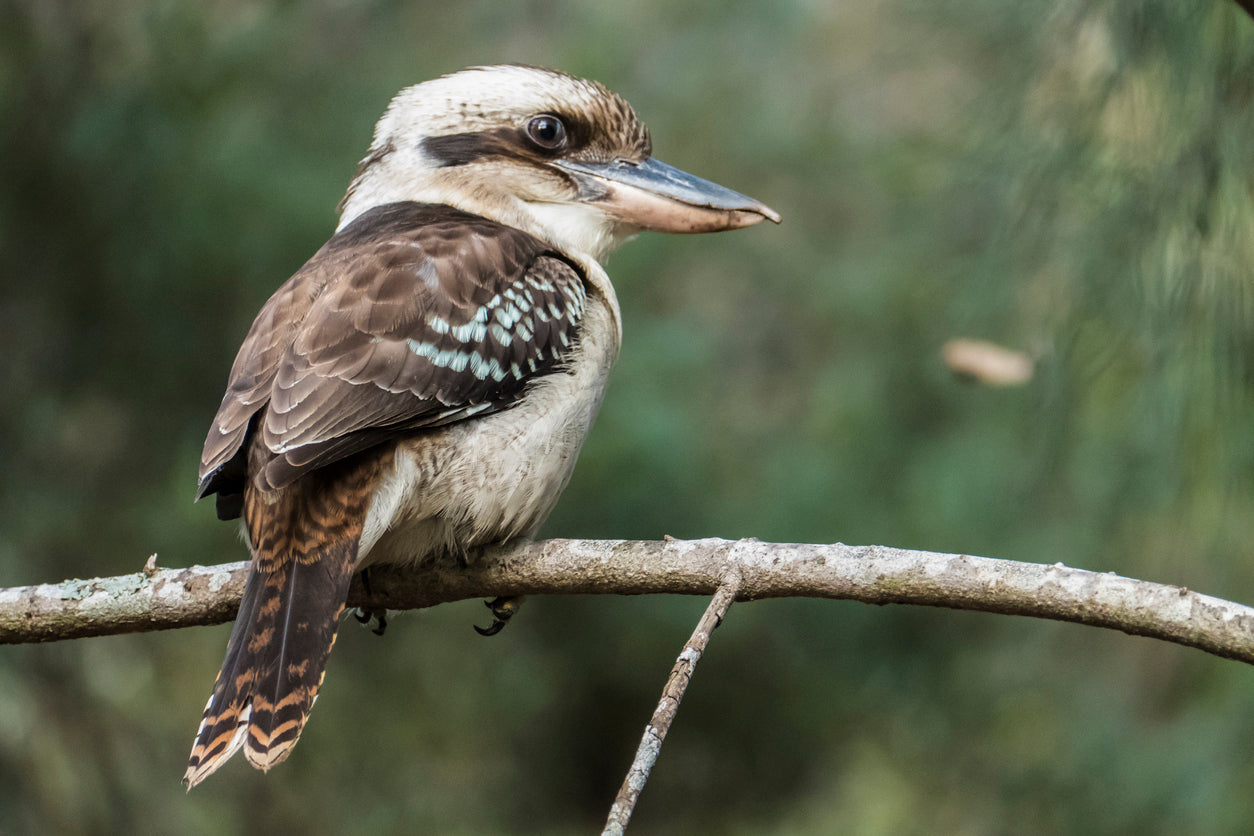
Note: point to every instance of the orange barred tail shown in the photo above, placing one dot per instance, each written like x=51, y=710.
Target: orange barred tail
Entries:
x=275, y=660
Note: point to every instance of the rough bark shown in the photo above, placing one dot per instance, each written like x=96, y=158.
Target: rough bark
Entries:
x=157, y=599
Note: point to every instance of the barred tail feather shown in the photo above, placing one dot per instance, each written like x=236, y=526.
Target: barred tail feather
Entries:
x=225, y=719
x=275, y=659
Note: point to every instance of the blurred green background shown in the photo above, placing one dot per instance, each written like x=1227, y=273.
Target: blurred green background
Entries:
x=1073, y=179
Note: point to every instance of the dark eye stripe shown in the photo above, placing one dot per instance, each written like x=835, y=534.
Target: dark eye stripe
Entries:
x=460, y=149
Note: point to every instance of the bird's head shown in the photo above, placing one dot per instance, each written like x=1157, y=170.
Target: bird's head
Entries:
x=559, y=157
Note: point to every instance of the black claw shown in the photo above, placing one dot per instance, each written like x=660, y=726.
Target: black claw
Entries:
x=491, y=630
x=365, y=617
x=503, y=610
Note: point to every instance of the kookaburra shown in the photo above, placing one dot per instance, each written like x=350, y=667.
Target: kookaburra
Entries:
x=423, y=384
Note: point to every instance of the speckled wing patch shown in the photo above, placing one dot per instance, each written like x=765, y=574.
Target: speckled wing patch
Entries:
x=412, y=316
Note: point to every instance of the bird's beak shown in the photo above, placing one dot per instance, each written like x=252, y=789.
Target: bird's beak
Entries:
x=655, y=196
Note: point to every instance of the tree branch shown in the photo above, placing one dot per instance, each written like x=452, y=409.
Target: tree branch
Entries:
x=660, y=723
x=158, y=599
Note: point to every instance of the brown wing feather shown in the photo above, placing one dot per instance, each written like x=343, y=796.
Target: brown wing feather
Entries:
x=412, y=316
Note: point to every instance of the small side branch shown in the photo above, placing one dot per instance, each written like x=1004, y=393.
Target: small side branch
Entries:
x=655, y=732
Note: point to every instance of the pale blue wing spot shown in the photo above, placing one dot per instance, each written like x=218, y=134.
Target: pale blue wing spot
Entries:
x=455, y=360
x=502, y=336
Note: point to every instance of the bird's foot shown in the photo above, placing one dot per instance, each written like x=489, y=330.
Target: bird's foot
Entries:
x=465, y=556
x=503, y=610
x=366, y=615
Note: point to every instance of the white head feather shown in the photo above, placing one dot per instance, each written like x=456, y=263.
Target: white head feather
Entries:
x=508, y=191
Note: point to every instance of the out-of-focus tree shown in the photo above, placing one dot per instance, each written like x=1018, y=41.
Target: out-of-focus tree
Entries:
x=1067, y=179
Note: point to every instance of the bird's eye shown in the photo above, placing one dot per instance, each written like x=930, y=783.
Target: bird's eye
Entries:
x=547, y=131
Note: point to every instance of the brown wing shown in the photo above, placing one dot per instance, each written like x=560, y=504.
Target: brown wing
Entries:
x=412, y=316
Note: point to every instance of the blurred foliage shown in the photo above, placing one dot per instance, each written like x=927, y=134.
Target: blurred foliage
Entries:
x=1070, y=178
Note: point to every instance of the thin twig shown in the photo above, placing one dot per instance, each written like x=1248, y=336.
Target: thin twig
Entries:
x=664, y=714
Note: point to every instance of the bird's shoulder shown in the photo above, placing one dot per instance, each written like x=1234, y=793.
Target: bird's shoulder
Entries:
x=411, y=316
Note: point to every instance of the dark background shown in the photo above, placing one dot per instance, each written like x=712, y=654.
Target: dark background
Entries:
x=1073, y=179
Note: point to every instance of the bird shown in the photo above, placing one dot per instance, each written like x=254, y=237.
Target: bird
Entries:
x=421, y=387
